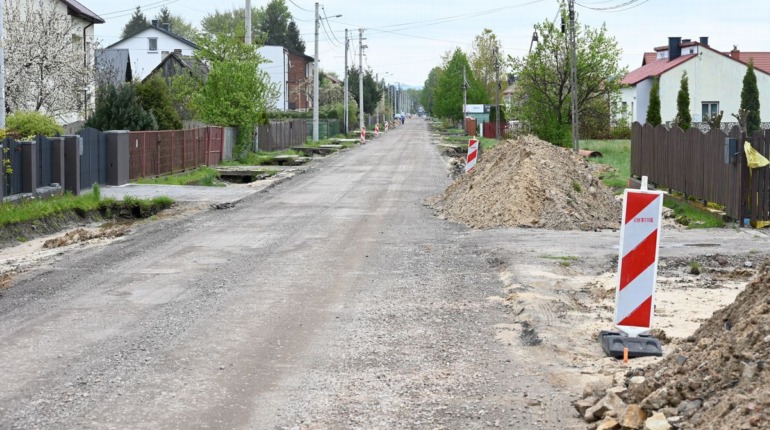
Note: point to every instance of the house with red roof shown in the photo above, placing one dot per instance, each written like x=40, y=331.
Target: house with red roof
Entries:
x=715, y=81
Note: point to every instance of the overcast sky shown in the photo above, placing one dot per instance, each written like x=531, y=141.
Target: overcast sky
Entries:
x=406, y=38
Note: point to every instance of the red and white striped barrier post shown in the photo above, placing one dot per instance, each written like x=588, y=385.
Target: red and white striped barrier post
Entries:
x=377, y=130
x=637, y=273
x=638, y=260
x=473, y=151
x=386, y=125
x=363, y=134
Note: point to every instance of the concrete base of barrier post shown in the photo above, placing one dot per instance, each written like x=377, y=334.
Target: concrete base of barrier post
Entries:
x=73, y=148
x=614, y=344
x=29, y=169
x=57, y=160
x=117, y=157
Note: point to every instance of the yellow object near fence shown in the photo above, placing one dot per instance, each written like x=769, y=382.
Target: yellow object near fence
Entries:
x=754, y=160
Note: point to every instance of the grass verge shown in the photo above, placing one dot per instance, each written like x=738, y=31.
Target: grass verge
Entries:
x=615, y=153
x=691, y=213
x=261, y=158
x=205, y=176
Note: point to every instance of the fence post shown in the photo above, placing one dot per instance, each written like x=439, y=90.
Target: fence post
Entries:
x=2, y=173
x=118, y=156
x=73, y=148
x=29, y=172
x=57, y=160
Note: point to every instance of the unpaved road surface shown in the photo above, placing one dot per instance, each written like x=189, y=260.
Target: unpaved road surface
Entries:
x=333, y=300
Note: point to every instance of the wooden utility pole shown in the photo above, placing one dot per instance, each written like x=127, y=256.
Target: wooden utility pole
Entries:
x=573, y=78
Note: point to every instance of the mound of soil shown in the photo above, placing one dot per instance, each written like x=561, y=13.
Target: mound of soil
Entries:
x=719, y=379
x=531, y=183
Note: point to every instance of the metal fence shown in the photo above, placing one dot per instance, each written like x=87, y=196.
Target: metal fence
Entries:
x=327, y=128
x=700, y=165
x=154, y=153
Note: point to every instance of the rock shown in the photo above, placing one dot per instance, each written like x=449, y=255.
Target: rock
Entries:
x=596, y=388
x=583, y=404
x=634, y=417
x=608, y=424
x=635, y=381
x=675, y=420
x=609, y=404
x=640, y=391
x=619, y=390
x=656, y=400
x=688, y=408
x=669, y=411
x=657, y=421
x=748, y=264
x=747, y=372
x=721, y=260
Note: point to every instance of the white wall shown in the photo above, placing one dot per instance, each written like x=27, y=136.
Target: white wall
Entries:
x=712, y=77
x=143, y=61
x=277, y=67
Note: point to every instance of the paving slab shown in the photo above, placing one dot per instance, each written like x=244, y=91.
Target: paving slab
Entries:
x=180, y=193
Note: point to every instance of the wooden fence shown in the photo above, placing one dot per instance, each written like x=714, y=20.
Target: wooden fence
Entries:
x=698, y=164
x=155, y=153
x=280, y=135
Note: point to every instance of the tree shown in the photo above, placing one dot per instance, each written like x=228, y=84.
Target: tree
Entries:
x=486, y=48
x=179, y=25
x=236, y=92
x=448, y=96
x=155, y=98
x=653, y=109
x=294, y=39
x=750, y=99
x=427, y=98
x=138, y=22
x=47, y=67
x=372, y=91
x=543, y=87
x=683, y=118
x=229, y=22
x=119, y=108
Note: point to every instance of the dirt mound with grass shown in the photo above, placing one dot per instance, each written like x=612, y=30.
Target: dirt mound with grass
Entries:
x=528, y=182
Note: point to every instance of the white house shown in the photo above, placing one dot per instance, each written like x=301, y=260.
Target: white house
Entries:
x=715, y=80
x=150, y=46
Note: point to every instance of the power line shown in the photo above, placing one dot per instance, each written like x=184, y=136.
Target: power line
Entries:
x=300, y=7
x=154, y=5
x=326, y=19
x=627, y=5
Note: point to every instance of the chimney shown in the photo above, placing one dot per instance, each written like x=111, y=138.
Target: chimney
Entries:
x=178, y=51
x=674, y=50
x=167, y=26
x=154, y=22
x=735, y=53
x=704, y=40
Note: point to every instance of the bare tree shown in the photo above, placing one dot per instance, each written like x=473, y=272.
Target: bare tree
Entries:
x=48, y=64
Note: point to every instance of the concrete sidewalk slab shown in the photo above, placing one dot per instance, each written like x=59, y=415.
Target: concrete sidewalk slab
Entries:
x=180, y=193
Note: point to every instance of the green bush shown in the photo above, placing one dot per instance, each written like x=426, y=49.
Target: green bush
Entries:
x=120, y=108
x=26, y=125
x=156, y=98
x=621, y=132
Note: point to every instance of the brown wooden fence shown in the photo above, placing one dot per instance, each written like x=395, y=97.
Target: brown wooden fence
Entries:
x=160, y=152
x=280, y=135
x=694, y=163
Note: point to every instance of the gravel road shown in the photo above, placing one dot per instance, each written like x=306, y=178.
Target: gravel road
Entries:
x=334, y=300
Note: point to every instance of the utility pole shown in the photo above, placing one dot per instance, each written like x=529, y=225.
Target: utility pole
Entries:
x=465, y=97
x=2, y=73
x=347, y=115
x=377, y=106
x=315, y=78
x=497, y=100
x=247, y=13
x=573, y=77
x=361, y=76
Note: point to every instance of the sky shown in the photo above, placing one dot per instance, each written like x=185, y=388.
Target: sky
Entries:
x=405, y=39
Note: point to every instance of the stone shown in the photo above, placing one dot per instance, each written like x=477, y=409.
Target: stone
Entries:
x=609, y=404
x=634, y=417
x=636, y=381
x=688, y=408
x=583, y=404
x=596, y=388
x=608, y=424
x=657, y=421
x=619, y=390
x=656, y=400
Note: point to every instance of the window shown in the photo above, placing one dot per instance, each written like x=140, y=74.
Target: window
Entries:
x=153, y=43
x=709, y=109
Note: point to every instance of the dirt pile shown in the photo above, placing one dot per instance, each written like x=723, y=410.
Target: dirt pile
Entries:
x=82, y=235
x=531, y=183
x=717, y=379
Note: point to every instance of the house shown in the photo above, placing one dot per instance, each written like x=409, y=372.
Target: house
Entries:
x=174, y=63
x=112, y=66
x=289, y=70
x=715, y=81
x=151, y=45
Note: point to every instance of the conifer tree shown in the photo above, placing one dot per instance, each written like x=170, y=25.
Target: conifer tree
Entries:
x=137, y=22
x=683, y=118
x=750, y=99
x=653, y=109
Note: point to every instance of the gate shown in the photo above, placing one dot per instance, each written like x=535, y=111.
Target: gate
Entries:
x=93, y=160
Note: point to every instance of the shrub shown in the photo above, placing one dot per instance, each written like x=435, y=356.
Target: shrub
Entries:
x=155, y=97
x=28, y=124
x=120, y=108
